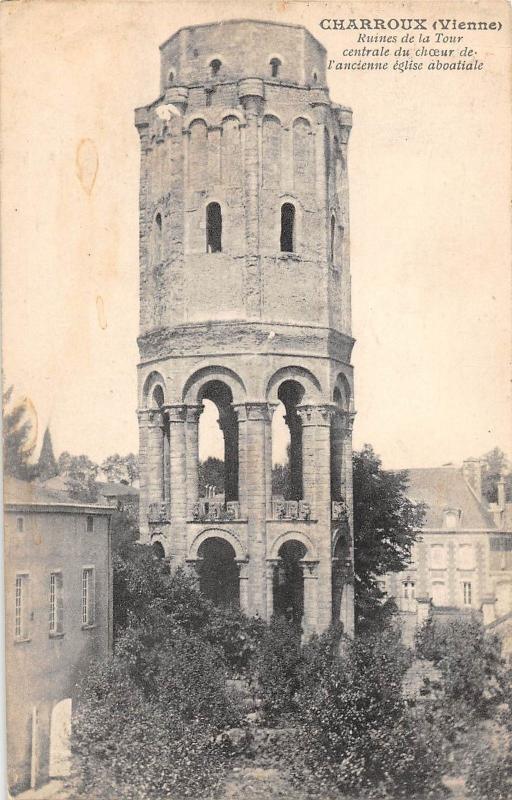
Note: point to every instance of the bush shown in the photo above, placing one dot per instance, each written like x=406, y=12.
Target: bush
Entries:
x=147, y=720
x=237, y=635
x=355, y=732
x=469, y=659
x=277, y=668
x=490, y=770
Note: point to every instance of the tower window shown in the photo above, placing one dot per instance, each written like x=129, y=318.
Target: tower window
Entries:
x=274, y=67
x=315, y=77
x=215, y=66
x=333, y=235
x=170, y=78
x=287, y=227
x=157, y=238
x=213, y=228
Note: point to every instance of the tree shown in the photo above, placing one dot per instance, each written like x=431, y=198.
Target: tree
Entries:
x=47, y=465
x=496, y=467
x=18, y=436
x=132, y=467
x=81, y=479
x=211, y=473
x=386, y=523
x=64, y=462
x=114, y=468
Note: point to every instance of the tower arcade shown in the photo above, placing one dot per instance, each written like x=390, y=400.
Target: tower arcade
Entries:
x=245, y=303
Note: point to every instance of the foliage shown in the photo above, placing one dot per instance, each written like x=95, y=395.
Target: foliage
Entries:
x=146, y=723
x=277, y=668
x=211, y=473
x=237, y=635
x=496, y=466
x=118, y=468
x=385, y=528
x=355, y=731
x=81, y=478
x=469, y=659
x=18, y=436
x=46, y=464
x=281, y=477
x=124, y=530
x=490, y=767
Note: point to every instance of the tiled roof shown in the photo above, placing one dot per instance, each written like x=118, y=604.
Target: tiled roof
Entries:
x=441, y=488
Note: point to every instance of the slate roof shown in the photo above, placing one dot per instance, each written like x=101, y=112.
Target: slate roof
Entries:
x=445, y=487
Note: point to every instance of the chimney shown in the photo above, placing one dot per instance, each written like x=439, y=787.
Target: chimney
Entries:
x=472, y=470
x=501, y=493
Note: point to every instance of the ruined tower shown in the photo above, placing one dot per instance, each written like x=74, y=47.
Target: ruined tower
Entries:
x=245, y=302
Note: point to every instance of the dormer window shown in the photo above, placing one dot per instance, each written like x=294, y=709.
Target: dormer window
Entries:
x=215, y=66
x=275, y=65
x=452, y=518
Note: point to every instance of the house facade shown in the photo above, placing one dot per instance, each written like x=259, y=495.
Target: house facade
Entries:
x=58, y=589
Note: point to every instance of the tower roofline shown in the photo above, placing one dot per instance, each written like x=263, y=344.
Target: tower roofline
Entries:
x=237, y=22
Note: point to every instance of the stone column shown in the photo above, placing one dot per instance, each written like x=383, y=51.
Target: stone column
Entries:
x=243, y=573
x=268, y=452
x=338, y=478
x=177, y=415
x=229, y=426
x=253, y=419
x=272, y=564
x=316, y=465
x=192, y=449
x=347, y=600
x=143, y=418
x=155, y=456
x=251, y=92
x=347, y=484
x=310, y=578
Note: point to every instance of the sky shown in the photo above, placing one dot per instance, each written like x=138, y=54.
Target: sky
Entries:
x=430, y=180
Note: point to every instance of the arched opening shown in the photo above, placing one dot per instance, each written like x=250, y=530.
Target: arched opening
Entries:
x=339, y=556
x=287, y=228
x=218, y=450
x=289, y=582
x=215, y=66
x=213, y=228
x=170, y=78
x=290, y=394
x=333, y=236
x=274, y=67
x=219, y=579
x=158, y=551
x=315, y=77
x=281, y=487
x=60, y=732
x=336, y=444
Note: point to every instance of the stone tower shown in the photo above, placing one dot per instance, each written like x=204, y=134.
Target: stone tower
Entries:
x=245, y=302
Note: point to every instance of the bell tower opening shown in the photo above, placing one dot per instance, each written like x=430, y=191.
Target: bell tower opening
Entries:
x=289, y=583
x=213, y=228
x=287, y=228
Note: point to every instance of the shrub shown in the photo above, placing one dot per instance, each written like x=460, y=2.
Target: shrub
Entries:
x=277, y=668
x=355, y=732
x=469, y=659
x=490, y=770
x=147, y=720
x=237, y=635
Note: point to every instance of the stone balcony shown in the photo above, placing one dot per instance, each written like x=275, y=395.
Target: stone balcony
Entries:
x=159, y=513
x=291, y=509
x=208, y=510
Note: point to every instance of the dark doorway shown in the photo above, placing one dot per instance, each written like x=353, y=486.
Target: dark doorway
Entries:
x=219, y=572
x=213, y=228
x=289, y=583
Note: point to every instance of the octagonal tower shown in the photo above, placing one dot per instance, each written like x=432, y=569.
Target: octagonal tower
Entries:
x=245, y=301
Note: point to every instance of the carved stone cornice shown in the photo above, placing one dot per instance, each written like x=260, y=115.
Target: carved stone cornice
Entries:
x=317, y=415
x=175, y=413
x=193, y=413
x=254, y=411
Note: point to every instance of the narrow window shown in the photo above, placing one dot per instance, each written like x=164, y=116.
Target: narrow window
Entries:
x=208, y=95
x=467, y=593
x=287, y=227
x=157, y=238
x=315, y=77
x=21, y=607
x=56, y=616
x=90, y=523
x=333, y=235
x=87, y=596
x=274, y=67
x=215, y=66
x=213, y=228
x=20, y=524
x=170, y=78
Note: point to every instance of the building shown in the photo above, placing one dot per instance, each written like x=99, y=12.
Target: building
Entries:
x=58, y=617
x=245, y=303
x=462, y=561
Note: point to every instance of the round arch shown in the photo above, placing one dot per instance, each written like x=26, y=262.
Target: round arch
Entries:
x=342, y=392
x=151, y=382
x=60, y=732
x=294, y=536
x=193, y=388
x=217, y=533
x=303, y=118
x=310, y=384
x=194, y=117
